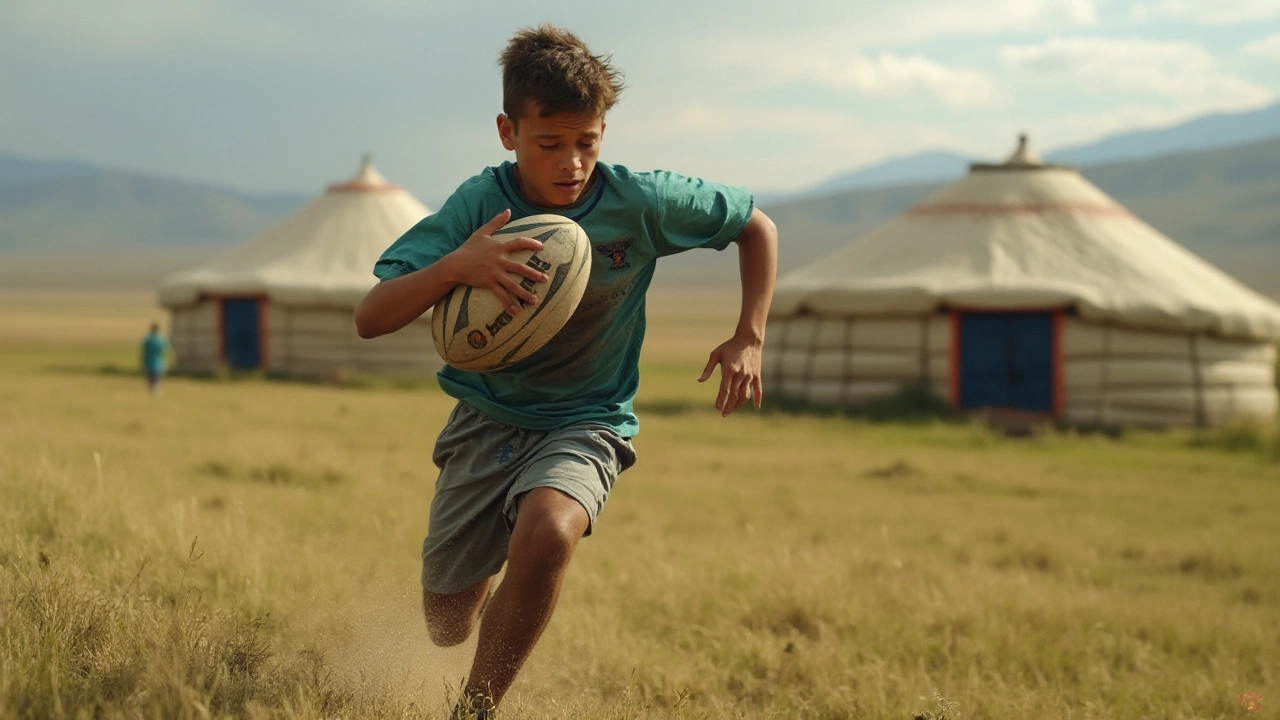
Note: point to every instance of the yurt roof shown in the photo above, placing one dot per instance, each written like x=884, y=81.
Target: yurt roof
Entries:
x=1026, y=235
x=322, y=254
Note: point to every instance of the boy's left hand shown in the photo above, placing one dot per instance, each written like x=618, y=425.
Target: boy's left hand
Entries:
x=739, y=362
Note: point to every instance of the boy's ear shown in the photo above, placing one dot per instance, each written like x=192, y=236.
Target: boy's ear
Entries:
x=507, y=131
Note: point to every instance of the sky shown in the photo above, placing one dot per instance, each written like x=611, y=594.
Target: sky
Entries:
x=287, y=95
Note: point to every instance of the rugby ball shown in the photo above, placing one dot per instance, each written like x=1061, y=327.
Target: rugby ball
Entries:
x=474, y=332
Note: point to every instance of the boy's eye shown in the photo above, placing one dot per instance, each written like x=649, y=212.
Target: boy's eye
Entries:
x=547, y=147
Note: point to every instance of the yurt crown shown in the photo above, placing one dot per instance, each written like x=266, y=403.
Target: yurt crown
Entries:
x=1023, y=158
x=367, y=179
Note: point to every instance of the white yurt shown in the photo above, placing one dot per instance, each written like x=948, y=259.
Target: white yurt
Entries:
x=284, y=301
x=1024, y=289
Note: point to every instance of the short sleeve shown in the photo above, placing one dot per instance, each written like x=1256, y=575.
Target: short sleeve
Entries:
x=432, y=238
x=695, y=213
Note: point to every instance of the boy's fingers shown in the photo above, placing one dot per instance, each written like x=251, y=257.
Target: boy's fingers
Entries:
x=757, y=393
x=526, y=271
x=496, y=223
x=711, y=366
x=736, y=396
x=722, y=398
x=519, y=292
x=521, y=243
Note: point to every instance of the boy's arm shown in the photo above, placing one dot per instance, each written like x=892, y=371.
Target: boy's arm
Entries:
x=739, y=357
x=480, y=262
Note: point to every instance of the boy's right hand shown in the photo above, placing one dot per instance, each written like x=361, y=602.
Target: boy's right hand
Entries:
x=484, y=262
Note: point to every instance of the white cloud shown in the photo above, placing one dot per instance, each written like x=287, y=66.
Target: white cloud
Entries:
x=1267, y=48
x=885, y=75
x=839, y=26
x=1207, y=12
x=777, y=148
x=1165, y=69
x=989, y=17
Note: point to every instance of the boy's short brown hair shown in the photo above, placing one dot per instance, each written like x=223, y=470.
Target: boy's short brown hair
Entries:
x=555, y=69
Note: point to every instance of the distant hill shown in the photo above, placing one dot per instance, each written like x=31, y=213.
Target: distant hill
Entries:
x=1202, y=133
x=67, y=206
x=1223, y=205
x=901, y=170
x=14, y=170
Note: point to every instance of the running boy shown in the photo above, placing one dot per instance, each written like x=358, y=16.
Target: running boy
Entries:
x=531, y=452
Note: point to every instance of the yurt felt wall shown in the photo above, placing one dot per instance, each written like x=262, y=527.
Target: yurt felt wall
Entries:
x=1110, y=375
x=321, y=342
x=307, y=342
x=194, y=336
x=1115, y=375
x=832, y=361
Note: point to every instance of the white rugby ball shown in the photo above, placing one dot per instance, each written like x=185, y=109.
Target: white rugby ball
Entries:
x=474, y=332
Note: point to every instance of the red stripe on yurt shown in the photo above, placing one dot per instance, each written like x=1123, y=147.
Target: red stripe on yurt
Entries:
x=362, y=187
x=1018, y=209
x=222, y=330
x=955, y=360
x=264, y=347
x=1059, y=391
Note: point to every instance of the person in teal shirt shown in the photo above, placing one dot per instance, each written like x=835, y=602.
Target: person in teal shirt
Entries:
x=155, y=358
x=530, y=452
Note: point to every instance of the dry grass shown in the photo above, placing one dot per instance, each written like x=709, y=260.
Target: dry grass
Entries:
x=248, y=549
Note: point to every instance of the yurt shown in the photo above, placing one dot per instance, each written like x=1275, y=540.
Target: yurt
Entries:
x=1023, y=289
x=284, y=301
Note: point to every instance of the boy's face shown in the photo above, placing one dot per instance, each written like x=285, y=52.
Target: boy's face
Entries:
x=555, y=155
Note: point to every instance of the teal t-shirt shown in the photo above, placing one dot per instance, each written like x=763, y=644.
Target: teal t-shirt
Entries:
x=154, y=353
x=590, y=370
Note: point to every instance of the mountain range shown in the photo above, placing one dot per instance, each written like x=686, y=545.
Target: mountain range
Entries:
x=1212, y=184
x=1202, y=133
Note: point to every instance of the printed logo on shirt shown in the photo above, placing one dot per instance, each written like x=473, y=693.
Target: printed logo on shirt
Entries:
x=505, y=453
x=616, y=252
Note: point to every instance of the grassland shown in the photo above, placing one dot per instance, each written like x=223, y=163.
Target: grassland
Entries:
x=249, y=549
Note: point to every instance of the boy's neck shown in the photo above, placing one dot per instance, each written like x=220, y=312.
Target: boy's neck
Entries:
x=586, y=189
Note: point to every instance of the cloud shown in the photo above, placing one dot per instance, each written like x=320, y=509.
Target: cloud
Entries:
x=771, y=148
x=885, y=75
x=1207, y=12
x=1164, y=69
x=1267, y=48
x=922, y=20
x=839, y=26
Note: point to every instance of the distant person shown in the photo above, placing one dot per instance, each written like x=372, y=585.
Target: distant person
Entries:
x=531, y=451
x=155, y=358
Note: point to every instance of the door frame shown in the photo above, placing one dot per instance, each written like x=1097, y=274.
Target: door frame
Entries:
x=1057, y=380
x=264, y=354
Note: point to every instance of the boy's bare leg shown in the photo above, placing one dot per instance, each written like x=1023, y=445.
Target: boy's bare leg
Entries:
x=547, y=531
x=450, y=618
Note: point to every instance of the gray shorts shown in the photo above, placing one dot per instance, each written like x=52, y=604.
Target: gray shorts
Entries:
x=486, y=467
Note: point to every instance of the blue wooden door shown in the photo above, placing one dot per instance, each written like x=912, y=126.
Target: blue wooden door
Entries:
x=1006, y=361
x=241, y=335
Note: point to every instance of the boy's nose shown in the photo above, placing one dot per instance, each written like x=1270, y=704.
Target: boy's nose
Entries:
x=570, y=162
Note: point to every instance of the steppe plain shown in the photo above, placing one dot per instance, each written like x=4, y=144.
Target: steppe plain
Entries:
x=248, y=548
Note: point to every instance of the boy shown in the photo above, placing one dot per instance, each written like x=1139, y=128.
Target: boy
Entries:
x=530, y=452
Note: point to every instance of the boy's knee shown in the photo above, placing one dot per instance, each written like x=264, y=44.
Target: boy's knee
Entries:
x=546, y=537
